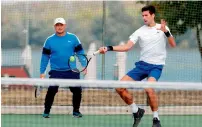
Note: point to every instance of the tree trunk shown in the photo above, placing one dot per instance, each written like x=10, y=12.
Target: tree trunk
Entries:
x=199, y=43
x=198, y=40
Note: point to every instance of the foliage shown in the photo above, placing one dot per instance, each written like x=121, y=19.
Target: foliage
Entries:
x=181, y=16
x=85, y=20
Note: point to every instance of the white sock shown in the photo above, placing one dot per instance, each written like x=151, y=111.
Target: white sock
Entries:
x=134, y=107
x=155, y=115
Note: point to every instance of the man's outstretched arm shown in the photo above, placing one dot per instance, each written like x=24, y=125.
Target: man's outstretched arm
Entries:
x=119, y=48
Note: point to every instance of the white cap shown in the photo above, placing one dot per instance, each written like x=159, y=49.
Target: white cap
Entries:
x=59, y=20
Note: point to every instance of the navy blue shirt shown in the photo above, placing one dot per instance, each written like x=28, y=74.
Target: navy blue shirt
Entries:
x=58, y=50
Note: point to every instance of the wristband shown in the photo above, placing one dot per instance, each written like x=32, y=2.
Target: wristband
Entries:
x=167, y=34
x=109, y=48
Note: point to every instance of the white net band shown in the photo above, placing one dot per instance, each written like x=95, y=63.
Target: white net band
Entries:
x=102, y=83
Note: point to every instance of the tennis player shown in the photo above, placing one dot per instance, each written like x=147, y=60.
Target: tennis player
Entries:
x=58, y=48
x=152, y=38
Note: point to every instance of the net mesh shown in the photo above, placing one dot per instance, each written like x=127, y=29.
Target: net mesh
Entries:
x=31, y=22
x=179, y=103
x=27, y=24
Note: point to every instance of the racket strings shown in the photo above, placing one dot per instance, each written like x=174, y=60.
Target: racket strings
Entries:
x=79, y=64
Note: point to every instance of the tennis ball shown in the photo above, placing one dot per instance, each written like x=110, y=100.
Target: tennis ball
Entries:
x=72, y=59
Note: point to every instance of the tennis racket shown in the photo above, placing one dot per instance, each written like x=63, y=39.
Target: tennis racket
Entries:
x=79, y=62
x=37, y=92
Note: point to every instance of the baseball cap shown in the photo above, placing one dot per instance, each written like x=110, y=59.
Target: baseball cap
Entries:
x=59, y=20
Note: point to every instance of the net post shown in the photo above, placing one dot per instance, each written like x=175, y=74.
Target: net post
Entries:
x=103, y=37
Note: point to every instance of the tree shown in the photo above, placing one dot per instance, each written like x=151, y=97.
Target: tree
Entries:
x=181, y=16
x=12, y=29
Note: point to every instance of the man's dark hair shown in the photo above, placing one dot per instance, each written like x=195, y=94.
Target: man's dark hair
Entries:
x=149, y=8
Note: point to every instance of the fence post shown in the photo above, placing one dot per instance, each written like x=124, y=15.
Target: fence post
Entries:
x=121, y=62
x=91, y=69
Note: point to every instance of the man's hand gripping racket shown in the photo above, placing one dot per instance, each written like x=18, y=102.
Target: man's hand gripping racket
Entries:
x=38, y=88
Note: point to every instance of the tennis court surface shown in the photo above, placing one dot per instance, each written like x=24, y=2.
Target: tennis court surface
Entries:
x=97, y=121
x=179, y=105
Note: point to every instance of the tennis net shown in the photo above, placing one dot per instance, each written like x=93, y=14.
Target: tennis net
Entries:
x=180, y=104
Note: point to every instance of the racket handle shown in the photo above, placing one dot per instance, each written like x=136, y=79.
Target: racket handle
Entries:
x=96, y=52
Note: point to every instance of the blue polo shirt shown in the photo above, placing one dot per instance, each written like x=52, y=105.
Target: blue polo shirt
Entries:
x=58, y=50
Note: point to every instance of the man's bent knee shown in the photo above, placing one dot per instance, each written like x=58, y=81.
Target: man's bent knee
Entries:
x=120, y=90
x=150, y=91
